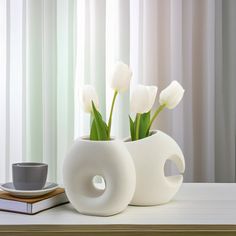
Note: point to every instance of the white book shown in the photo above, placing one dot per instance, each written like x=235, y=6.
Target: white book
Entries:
x=32, y=205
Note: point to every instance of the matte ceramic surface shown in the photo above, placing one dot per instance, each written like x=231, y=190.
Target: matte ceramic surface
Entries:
x=29, y=175
x=108, y=159
x=149, y=156
x=9, y=187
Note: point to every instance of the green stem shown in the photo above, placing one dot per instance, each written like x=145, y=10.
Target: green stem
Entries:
x=160, y=108
x=111, y=112
x=137, y=126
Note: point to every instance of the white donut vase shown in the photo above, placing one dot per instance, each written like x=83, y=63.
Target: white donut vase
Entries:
x=149, y=156
x=108, y=159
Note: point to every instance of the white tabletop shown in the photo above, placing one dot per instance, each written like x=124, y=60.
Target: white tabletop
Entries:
x=198, y=203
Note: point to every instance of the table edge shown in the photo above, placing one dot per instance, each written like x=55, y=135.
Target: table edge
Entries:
x=116, y=228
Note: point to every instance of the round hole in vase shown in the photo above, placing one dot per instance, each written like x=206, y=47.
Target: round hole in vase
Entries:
x=99, y=183
x=111, y=163
x=170, y=168
x=149, y=155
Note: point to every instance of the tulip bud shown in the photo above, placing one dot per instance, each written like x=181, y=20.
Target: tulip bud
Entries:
x=121, y=77
x=87, y=95
x=143, y=98
x=171, y=95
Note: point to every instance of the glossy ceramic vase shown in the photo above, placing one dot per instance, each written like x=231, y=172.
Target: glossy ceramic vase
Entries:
x=149, y=156
x=109, y=160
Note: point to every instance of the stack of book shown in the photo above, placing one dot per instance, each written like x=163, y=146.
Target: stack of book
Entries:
x=32, y=205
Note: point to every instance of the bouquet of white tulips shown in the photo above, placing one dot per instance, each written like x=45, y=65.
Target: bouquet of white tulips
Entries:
x=100, y=130
x=141, y=103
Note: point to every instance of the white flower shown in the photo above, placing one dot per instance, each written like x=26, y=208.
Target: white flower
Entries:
x=87, y=95
x=121, y=77
x=143, y=98
x=171, y=95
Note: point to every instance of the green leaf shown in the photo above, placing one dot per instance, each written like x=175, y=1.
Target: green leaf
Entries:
x=101, y=127
x=132, y=127
x=135, y=124
x=93, y=131
x=143, y=128
x=132, y=130
x=144, y=122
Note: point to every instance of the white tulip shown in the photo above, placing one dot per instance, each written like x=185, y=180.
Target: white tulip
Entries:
x=143, y=98
x=87, y=95
x=171, y=95
x=121, y=77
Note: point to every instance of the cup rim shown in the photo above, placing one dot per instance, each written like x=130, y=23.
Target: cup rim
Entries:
x=29, y=164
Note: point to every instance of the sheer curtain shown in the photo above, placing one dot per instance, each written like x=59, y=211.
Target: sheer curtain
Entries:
x=36, y=82
x=48, y=49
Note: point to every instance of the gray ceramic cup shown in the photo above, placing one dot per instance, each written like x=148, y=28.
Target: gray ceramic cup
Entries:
x=29, y=175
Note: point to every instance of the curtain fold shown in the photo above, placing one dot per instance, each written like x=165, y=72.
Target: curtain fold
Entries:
x=225, y=109
x=49, y=49
x=34, y=79
x=49, y=86
x=117, y=48
x=65, y=80
x=3, y=91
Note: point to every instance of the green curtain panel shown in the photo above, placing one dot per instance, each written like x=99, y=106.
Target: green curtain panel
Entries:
x=38, y=84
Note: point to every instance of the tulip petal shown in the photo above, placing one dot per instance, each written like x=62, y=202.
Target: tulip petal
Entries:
x=171, y=95
x=152, y=92
x=142, y=98
x=87, y=95
x=121, y=77
x=138, y=101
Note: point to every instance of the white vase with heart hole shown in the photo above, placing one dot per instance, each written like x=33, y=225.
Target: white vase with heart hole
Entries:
x=149, y=155
x=99, y=176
